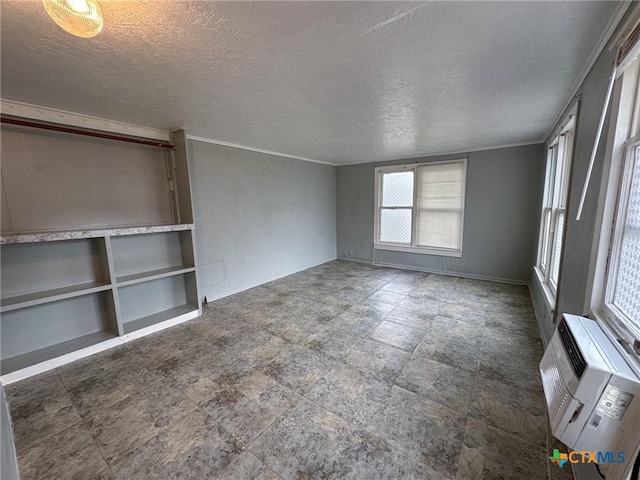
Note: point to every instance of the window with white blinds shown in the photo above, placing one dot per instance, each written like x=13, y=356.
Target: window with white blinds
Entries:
x=420, y=207
x=553, y=217
x=439, y=197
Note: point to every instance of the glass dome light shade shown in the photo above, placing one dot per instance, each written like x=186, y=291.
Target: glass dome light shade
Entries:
x=82, y=18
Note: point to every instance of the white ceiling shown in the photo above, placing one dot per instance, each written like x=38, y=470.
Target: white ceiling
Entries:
x=340, y=82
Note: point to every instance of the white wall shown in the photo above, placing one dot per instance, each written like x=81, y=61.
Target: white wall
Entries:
x=258, y=216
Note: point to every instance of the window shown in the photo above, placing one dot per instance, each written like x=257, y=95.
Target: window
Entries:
x=554, y=208
x=618, y=298
x=623, y=286
x=420, y=207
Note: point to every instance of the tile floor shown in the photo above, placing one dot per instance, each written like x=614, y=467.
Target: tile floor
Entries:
x=342, y=371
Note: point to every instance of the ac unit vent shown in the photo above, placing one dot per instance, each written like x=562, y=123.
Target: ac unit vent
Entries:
x=573, y=352
x=607, y=383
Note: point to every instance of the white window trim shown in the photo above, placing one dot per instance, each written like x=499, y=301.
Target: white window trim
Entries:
x=552, y=160
x=398, y=247
x=608, y=306
x=549, y=295
x=616, y=150
x=543, y=275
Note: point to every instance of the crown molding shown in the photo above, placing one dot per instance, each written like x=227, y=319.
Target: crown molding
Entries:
x=445, y=153
x=608, y=32
x=258, y=150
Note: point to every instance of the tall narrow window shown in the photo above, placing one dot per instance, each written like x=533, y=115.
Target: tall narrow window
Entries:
x=616, y=296
x=624, y=283
x=553, y=215
x=396, y=209
x=547, y=211
x=420, y=207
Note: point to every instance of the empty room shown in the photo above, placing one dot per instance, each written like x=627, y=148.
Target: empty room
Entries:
x=320, y=240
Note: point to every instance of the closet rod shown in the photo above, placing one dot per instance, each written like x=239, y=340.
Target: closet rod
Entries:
x=88, y=133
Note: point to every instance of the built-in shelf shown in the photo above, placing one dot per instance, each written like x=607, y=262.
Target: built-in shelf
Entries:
x=53, y=351
x=53, y=295
x=152, y=275
x=150, y=320
x=51, y=236
x=122, y=260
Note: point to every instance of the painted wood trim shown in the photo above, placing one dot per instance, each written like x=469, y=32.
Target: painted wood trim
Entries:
x=93, y=349
x=52, y=115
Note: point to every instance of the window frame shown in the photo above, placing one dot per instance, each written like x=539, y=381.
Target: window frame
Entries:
x=379, y=176
x=624, y=135
x=554, y=202
x=629, y=162
x=413, y=247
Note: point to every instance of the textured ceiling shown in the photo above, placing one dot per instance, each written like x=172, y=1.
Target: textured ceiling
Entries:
x=341, y=82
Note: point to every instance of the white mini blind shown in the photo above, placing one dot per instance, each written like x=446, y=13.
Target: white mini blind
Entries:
x=557, y=247
x=440, y=201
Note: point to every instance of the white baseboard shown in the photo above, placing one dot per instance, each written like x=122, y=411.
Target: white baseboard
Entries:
x=356, y=260
x=452, y=274
x=143, y=332
x=278, y=276
x=47, y=365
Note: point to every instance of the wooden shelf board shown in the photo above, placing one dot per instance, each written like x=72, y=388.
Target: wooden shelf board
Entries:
x=149, y=320
x=52, y=236
x=132, y=279
x=47, y=353
x=53, y=295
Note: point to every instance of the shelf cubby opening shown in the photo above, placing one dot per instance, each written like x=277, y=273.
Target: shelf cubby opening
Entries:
x=34, y=334
x=148, y=257
x=152, y=302
x=35, y=273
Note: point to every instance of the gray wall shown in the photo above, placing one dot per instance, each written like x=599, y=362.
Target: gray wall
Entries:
x=579, y=235
x=54, y=181
x=501, y=215
x=258, y=217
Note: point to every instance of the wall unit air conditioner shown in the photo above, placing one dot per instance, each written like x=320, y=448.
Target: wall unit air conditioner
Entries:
x=592, y=395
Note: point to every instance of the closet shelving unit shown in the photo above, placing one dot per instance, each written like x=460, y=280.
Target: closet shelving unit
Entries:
x=66, y=293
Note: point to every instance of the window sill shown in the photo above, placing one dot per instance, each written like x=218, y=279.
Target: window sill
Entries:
x=549, y=297
x=441, y=252
x=614, y=333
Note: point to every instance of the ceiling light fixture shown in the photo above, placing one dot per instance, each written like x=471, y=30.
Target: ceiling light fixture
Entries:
x=82, y=18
